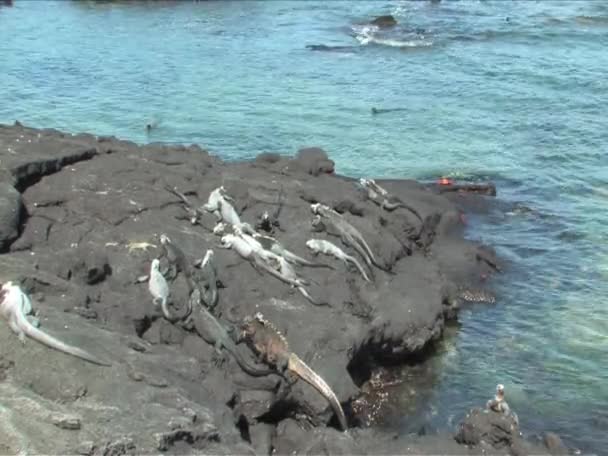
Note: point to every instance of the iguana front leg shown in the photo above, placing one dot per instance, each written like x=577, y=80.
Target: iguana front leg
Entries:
x=35, y=321
x=219, y=357
x=17, y=330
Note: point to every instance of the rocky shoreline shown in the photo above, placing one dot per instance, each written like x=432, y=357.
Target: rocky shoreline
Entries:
x=80, y=221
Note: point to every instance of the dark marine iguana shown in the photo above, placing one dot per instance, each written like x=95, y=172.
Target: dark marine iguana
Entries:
x=194, y=213
x=177, y=260
x=177, y=263
x=214, y=333
x=384, y=199
x=265, y=340
x=209, y=279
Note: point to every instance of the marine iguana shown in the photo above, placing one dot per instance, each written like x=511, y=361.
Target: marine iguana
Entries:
x=383, y=199
x=219, y=204
x=177, y=260
x=270, y=243
x=246, y=251
x=209, y=274
x=221, y=228
x=194, y=213
x=288, y=272
x=159, y=289
x=214, y=333
x=16, y=306
x=250, y=249
x=499, y=404
x=270, y=345
x=213, y=202
x=322, y=246
x=348, y=233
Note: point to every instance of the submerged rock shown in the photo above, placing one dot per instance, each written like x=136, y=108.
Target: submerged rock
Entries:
x=384, y=21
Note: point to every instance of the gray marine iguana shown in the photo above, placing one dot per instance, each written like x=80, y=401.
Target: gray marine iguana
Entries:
x=159, y=289
x=251, y=250
x=270, y=243
x=272, y=347
x=214, y=333
x=384, y=199
x=335, y=224
x=322, y=246
x=16, y=307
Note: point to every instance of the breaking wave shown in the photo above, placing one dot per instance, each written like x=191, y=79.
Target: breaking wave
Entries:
x=371, y=34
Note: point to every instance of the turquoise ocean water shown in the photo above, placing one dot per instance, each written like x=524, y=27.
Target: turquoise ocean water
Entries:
x=513, y=91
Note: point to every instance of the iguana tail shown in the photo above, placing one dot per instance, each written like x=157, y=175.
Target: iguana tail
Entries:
x=293, y=258
x=300, y=368
x=354, y=261
x=359, y=249
x=48, y=340
x=305, y=293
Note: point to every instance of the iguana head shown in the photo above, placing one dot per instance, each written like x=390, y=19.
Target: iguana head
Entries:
x=155, y=265
x=227, y=240
x=250, y=325
x=208, y=257
x=219, y=228
x=317, y=224
x=312, y=244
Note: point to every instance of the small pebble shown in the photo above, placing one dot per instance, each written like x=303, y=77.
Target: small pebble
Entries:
x=66, y=421
x=137, y=346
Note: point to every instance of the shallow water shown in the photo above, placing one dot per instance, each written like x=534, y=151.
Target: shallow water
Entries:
x=510, y=91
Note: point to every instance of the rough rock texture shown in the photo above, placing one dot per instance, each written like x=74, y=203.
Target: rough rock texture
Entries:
x=493, y=432
x=94, y=209
x=11, y=213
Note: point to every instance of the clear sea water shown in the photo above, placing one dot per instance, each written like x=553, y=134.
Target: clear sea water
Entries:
x=514, y=91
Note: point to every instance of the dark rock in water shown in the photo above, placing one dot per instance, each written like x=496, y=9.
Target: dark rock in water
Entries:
x=554, y=444
x=485, y=426
x=11, y=213
x=324, y=47
x=384, y=21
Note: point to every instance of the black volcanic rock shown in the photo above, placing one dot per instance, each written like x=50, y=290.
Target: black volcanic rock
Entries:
x=94, y=209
